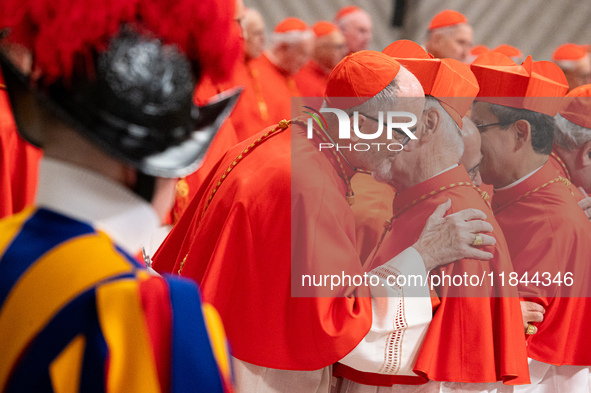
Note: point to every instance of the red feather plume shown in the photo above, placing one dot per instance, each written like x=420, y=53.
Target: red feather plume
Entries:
x=58, y=32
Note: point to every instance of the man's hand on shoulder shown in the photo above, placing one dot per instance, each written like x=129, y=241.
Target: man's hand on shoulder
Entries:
x=453, y=237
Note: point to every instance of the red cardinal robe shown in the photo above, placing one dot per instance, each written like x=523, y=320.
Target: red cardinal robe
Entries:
x=237, y=240
x=547, y=232
x=19, y=162
x=476, y=334
x=373, y=206
x=277, y=89
x=311, y=80
x=249, y=117
x=225, y=139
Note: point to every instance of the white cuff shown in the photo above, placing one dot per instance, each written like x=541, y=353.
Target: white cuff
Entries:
x=401, y=313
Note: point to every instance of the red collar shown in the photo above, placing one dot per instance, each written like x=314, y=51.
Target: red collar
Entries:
x=544, y=177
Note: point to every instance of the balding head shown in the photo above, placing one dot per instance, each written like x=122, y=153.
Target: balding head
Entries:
x=575, y=62
x=291, y=45
x=330, y=46
x=453, y=42
x=357, y=28
x=577, y=72
x=392, y=88
x=253, y=26
x=472, y=156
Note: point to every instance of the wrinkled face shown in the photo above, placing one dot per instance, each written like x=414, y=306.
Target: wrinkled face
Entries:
x=453, y=44
x=386, y=166
x=254, y=34
x=358, y=31
x=582, y=176
x=330, y=49
x=472, y=156
x=296, y=55
x=497, y=146
x=581, y=74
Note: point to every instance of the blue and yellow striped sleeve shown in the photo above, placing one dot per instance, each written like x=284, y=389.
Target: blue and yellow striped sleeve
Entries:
x=78, y=315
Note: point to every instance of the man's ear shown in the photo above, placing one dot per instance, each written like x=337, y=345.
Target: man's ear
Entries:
x=435, y=39
x=431, y=119
x=584, y=155
x=522, y=133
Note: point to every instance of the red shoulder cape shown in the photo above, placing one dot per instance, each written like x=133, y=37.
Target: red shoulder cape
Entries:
x=476, y=334
x=266, y=224
x=547, y=232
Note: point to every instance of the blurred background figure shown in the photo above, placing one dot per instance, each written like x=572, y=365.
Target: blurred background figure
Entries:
x=449, y=36
x=575, y=62
x=253, y=29
x=290, y=47
x=356, y=26
x=329, y=48
x=250, y=115
x=510, y=51
x=227, y=135
x=572, y=140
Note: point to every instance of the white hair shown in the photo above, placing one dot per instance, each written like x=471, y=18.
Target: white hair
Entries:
x=569, y=135
x=450, y=128
x=381, y=102
x=446, y=30
x=345, y=20
x=249, y=15
x=568, y=65
x=290, y=38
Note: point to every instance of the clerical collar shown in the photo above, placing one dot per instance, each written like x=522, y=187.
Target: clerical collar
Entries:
x=87, y=196
x=518, y=181
x=445, y=170
x=539, y=180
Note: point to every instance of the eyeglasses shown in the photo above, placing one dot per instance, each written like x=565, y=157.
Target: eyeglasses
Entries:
x=492, y=124
x=406, y=137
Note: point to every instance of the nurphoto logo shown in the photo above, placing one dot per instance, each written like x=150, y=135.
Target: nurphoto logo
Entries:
x=385, y=121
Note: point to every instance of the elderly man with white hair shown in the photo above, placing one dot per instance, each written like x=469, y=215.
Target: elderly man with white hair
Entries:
x=253, y=29
x=290, y=47
x=575, y=62
x=571, y=153
x=449, y=36
x=356, y=26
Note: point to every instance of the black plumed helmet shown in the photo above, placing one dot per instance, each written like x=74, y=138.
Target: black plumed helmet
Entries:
x=137, y=105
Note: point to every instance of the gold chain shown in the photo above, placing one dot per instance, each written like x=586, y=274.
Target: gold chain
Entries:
x=283, y=125
x=562, y=164
x=349, y=195
x=566, y=182
x=388, y=224
x=264, y=111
